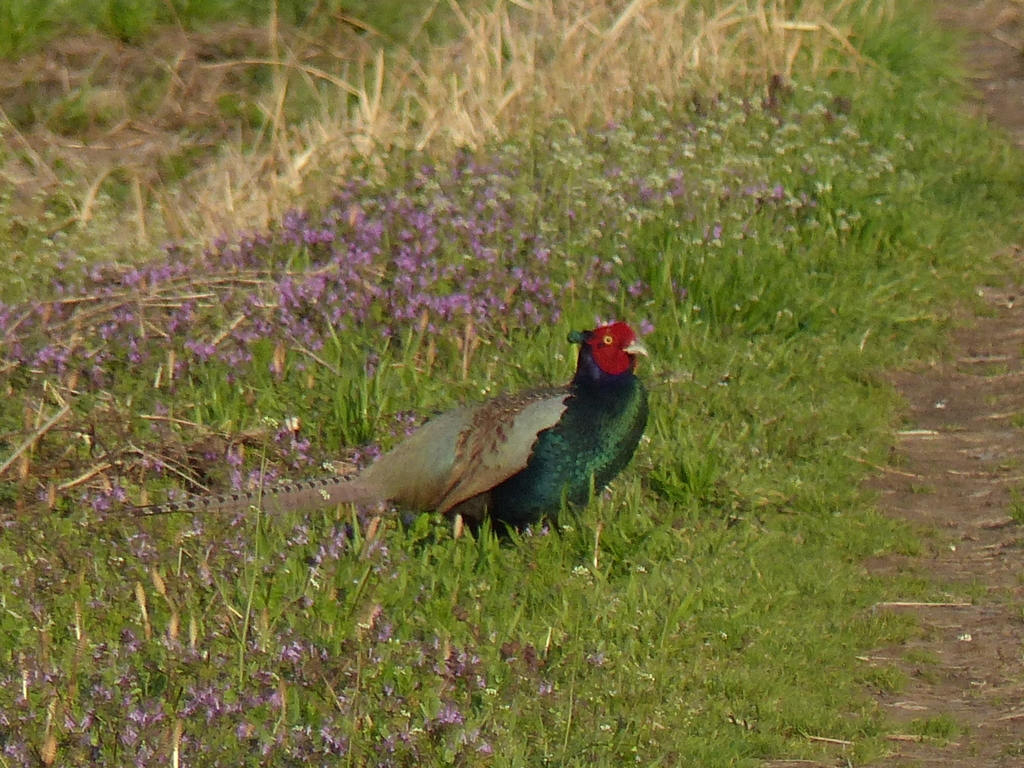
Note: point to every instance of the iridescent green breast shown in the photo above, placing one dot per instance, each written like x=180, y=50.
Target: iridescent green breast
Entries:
x=589, y=445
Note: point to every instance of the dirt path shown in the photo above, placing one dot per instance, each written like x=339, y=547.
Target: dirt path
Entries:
x=960, y=467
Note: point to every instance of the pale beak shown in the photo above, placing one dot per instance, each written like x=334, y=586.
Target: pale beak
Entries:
x=636, y=348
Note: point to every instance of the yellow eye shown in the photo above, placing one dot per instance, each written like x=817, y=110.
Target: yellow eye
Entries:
x=608, y=340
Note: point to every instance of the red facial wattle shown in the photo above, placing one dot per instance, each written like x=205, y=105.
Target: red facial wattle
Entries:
x=613, y=347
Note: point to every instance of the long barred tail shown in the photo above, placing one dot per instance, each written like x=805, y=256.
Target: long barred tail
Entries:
x=286, y=497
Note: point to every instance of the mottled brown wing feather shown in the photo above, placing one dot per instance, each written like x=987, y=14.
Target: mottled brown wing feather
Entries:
x=417, y=473
x=498, y=441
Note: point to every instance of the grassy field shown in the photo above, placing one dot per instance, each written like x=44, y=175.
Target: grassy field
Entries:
x=28, y=25
x=779, y=241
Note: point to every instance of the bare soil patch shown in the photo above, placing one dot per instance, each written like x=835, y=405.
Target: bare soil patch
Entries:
x=957, y=475
x=957, y=471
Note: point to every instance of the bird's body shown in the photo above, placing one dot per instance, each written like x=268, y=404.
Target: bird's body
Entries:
x=516, y=458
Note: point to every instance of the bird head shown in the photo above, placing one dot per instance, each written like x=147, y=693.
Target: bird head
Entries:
x=606, y=352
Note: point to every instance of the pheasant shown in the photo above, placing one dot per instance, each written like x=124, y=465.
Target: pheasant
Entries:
x=516, y=458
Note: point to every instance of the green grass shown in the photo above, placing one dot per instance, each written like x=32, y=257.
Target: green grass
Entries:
x=707, y=611
x=1017, y=506
x=175, y=82
x=26, y=25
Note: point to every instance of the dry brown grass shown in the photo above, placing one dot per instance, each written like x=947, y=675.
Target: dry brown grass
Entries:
x=517, y=65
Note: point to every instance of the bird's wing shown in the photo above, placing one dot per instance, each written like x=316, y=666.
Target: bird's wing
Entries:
x=464, y=452
x=498, y=442
x=416, y=473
